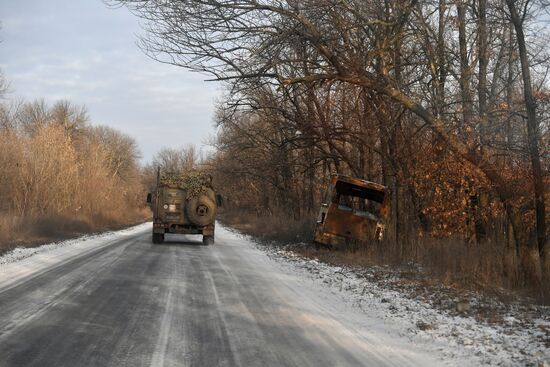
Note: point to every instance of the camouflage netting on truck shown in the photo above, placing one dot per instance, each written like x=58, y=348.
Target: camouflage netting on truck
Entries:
x=194, y=183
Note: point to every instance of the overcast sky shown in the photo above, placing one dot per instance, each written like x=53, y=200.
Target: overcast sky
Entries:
x=82, y=51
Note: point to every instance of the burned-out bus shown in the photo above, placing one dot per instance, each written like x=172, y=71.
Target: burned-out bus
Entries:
x=353, y=211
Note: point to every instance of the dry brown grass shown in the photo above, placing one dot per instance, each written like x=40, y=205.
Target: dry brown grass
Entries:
x=486, y=267
x=277, y=226
x=34, y=231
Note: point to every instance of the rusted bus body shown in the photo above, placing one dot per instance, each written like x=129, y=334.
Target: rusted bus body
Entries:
x=353, y=210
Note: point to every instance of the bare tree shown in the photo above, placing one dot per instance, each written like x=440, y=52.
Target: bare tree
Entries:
x=385, y=48
x=533, y=132
x=4, y=85
x=121, y=151
x=70, y=117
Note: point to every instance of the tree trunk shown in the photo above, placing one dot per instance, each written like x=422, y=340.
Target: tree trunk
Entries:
x=442, y=68
x=465, y=72
x=483, y=59
x=479, y=226
x=536, y=247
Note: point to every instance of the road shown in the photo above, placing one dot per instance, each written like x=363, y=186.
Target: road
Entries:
x=132, y=303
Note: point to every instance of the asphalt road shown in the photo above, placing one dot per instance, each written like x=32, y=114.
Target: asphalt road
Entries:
x=133, y=303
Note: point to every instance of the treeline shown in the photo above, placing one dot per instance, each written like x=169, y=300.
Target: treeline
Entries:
x=445, y=102
x=183, y=159
x=61, y=176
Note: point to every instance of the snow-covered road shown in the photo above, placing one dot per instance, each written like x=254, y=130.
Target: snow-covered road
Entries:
x=118, y=300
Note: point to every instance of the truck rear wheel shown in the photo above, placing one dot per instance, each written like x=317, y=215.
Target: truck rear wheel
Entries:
x=207, y=240
x=158, y=237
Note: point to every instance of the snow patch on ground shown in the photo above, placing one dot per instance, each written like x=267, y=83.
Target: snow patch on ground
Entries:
x=21, y=262
x=515, y=340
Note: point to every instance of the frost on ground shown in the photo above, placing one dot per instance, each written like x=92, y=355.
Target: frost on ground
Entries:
x=457, y=326
x=24, y=261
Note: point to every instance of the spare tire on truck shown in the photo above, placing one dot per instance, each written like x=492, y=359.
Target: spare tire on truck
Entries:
x=200, y=210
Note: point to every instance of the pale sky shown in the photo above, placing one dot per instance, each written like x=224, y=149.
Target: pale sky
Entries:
x=85, y=52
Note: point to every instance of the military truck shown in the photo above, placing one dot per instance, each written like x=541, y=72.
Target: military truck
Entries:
x=184, y=203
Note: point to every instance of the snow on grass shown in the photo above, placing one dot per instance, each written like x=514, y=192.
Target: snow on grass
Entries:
x=25, y=261
x=519, y=336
